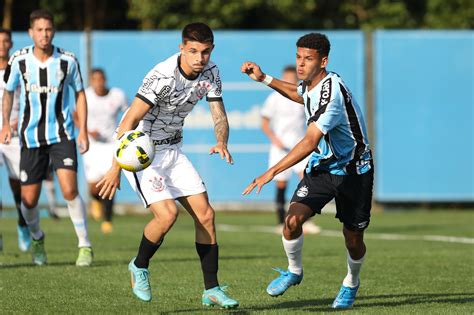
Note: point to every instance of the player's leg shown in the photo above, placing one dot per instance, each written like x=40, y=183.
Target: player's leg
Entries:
x=24, y=239
x=312, y=193
x=309, y=227
x=165, y=214
x=105, y=204
x=51, y=194
x=353, y=210
x=33, y=166
x=206, y=246
x=64, y=161
x=280, y=201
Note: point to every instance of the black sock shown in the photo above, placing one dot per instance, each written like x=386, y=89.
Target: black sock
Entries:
x=108, y=207
x=280, y=204
x=146, y=250
x=209, y=255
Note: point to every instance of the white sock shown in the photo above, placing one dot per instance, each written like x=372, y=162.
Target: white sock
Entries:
x=77, y=212
x=32, y=219
x=49, y=187
x=353, y=271
x=293, y=249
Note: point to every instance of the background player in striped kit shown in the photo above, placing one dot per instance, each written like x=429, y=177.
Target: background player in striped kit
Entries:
x=284, y=123
x=10, y=154
x=46, y=75
x=340, y=166
x=104, y=107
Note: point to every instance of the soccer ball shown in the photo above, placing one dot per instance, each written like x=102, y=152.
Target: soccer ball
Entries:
x=134, y=151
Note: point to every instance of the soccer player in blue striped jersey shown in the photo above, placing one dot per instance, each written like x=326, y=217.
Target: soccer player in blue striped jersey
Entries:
x=46, y=75
x=340, y=164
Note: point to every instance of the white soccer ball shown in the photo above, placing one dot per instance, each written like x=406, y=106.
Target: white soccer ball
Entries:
x=134, y=151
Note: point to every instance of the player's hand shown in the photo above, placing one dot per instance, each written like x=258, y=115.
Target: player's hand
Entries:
x=6, y=134
x=277, y=142
x=109, y=183
x=259, y=182
x=83, y=142
x=221, y=148
x=253, y=71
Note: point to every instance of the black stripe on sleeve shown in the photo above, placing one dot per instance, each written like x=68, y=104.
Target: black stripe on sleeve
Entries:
x=137, y=183
x=143, y=98
x=58, y=107
x=27, y=111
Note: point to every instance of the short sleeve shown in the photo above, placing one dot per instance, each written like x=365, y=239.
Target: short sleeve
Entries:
x=11, y=76
x=154, y=88
x=215, y=92
x=76, y=78
x=268, y=108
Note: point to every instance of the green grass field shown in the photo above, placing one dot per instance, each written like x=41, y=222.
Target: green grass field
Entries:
x=412, y=276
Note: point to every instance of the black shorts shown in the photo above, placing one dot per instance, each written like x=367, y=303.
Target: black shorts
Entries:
x=353, y=194
x=35, y=162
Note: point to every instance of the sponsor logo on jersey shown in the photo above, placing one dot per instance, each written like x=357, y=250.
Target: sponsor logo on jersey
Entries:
x=148, y=83
x=157, y=184
x=325, y=93
x=68, y=162
x=218, y=82
x=163, y=92
x=303, y=191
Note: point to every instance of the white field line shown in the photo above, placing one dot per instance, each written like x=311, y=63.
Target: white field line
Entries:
x=335, y=233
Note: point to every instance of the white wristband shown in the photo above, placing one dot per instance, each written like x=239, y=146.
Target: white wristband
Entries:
x=268, y=79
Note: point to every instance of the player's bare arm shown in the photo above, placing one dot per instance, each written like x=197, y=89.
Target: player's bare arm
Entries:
x=299, y=152
x=6, y=133
x=286, y=89
x=81, y=110
x=111, y=180
x=221, y=129
x=270, y=134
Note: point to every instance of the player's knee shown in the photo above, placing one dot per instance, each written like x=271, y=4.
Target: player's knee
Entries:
x=354, y=243
x=69, y=193
x=29, y=202
x=207, y=217
x=167, y=216
x=293, y=223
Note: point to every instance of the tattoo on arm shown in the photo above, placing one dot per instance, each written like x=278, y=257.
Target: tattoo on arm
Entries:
x=221, y=125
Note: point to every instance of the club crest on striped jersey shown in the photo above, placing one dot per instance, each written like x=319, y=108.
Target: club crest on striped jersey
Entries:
x=202, y=88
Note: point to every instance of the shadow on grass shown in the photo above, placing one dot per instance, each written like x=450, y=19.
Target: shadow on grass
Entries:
x=324, y=305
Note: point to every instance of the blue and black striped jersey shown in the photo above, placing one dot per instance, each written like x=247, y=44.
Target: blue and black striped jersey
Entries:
x=344, y=149
x=45, y=104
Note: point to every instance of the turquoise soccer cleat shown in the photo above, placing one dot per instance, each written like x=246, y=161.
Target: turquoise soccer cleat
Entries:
x=140, y=281
x=346, y=297
x=286, y=279
x=24, y=238
x=38, y=253
x=217, y=296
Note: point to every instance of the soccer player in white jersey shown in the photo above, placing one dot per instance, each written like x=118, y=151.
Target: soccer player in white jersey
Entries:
x=167, y=95
x=10, y=154
x=104, y=107
x=340, y=166
x=283, y=121
x=46, y=75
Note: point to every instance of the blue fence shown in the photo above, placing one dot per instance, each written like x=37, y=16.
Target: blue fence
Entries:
x=419, y=156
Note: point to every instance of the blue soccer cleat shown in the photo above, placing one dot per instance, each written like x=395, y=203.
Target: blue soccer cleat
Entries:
x=24, y=238
x=140, y=281
x=217, y=296
x=286, y=279
x=346, y=297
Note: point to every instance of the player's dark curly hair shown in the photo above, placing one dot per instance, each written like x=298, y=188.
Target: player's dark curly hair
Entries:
x=197, y=32
x=41, y=14
x=317, y=41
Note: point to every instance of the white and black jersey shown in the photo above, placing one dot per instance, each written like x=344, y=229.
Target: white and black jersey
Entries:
x=172, y=95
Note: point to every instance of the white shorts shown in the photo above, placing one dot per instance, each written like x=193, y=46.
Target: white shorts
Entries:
x=276, y=154
x=170, y=176
x=98, y=160
x=10, y=156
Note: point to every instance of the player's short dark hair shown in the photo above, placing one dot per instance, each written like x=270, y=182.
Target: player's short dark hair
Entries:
x=316, y=41
x=97, y=70
x=41, y=14
x=6, y=31
x=197, y=32
x=289, y=68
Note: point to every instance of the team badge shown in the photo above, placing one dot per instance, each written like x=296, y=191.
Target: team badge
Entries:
x=157, y=184
x=59, y=75
x=68, y=162
x=26, y=76
x=23, y=176
x=302, y=192
x=202, y=88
